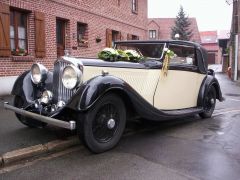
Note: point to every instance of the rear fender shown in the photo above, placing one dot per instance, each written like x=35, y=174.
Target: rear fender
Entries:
x=206, y=84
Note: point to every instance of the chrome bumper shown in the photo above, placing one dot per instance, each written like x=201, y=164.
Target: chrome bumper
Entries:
x=59, y=123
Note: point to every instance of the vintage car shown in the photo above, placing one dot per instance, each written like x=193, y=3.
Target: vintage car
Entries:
x=96, y=97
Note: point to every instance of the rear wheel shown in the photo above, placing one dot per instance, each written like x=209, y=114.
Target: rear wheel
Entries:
x=209, y=103
x=32, y=123
x=103, y=125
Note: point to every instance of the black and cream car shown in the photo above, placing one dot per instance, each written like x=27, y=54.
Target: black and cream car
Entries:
x=96, y=97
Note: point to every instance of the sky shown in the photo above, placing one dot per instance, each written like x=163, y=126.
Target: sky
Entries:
x=210, y=14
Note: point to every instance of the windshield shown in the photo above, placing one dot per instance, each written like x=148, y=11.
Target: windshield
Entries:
x=147, y=50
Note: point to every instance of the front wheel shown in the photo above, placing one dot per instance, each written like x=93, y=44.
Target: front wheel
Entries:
x=103, y=125
x=209, y=103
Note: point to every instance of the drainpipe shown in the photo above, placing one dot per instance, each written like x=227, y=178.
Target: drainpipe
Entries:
x=236, y=59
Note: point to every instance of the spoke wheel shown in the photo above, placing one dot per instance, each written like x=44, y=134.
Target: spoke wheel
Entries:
x=102, y=126
x=209, y=103
x=32, y=123
x=106, y=123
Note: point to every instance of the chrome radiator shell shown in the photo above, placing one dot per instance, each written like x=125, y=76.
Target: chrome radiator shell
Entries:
x=60, y=93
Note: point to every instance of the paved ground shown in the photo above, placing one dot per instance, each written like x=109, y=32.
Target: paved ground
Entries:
x=216, y=67
x=15, y=135
x=189, y=148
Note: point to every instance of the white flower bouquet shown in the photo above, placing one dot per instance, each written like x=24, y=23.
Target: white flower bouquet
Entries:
x=110, y=54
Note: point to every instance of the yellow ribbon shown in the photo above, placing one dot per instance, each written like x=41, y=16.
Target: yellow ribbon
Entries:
x=165, y=65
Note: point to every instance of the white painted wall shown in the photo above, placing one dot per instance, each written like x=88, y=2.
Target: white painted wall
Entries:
x=6, y=84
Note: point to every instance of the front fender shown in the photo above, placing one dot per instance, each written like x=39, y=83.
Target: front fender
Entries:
x=28, y=91
x=206, y=84
x=94, y=89
x=18, y=85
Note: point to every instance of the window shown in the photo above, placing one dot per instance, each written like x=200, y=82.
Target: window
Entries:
x=82, y=35
x=132, y=37
x=134, y=6
x=116, y=36
x=18, y=32
x=183, y=54
x=152, y=34
x=111, y=36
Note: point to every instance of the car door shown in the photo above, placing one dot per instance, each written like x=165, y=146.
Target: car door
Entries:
x=180, y=88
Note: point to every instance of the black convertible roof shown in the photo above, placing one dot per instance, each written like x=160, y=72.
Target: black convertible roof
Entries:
x=160, y=41
x=180, y=42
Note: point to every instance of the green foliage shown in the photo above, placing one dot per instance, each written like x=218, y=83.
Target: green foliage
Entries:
x=227, y=50
x=122, y=55
x=170, y=53
x=19, y=52
x=182, y=26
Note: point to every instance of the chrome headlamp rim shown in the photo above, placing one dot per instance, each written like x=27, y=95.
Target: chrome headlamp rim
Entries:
x=43, y=73
x=78, y=73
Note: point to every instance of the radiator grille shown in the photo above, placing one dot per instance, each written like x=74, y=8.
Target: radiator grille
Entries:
x=59, y=91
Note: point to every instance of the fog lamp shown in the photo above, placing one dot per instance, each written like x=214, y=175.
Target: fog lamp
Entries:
x=46, y=97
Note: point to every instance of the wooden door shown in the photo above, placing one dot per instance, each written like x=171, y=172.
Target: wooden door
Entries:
x=211, y=58
x=109, y=38
x=60, y=35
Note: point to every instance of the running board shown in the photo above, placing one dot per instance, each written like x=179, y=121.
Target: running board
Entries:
x=183, y=112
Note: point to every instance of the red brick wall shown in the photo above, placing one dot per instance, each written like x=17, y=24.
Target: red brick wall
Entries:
x=165, y=25
x=213, y=48
x=98, y=14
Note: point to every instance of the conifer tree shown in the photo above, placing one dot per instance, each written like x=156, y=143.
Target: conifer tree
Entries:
x=182, y=26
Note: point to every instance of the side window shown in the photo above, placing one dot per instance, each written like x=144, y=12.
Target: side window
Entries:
x=183, y=54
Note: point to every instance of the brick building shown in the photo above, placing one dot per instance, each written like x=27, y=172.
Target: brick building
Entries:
x=210, y=42
x=234, y=44
x=40, y=30
x=160, y=28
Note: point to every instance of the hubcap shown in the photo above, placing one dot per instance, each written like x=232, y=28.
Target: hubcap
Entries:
x=212, y=101
x=111, y=123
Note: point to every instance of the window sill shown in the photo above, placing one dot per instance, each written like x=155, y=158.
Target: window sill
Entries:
x=22, y=58
x=135, y=12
